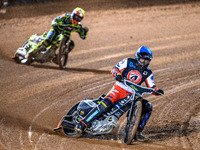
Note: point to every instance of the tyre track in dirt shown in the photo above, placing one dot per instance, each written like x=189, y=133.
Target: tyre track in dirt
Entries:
x=184, y=37
x=121, y=54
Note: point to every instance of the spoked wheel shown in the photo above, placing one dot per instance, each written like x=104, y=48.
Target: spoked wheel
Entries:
x=63, y=53
x=133, y=121
x=68, y=132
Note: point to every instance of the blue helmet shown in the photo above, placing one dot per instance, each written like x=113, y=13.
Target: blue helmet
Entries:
x=146, y=54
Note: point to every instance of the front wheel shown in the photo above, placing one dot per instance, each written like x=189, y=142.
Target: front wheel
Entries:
x=133, y=121
x=63, y=53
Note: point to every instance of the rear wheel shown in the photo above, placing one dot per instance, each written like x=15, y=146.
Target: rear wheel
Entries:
x=68, y=132
x=63, y=53
x=133, y=121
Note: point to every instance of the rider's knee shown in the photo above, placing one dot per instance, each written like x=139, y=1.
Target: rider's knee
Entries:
x=105, y=104
x=46, y=42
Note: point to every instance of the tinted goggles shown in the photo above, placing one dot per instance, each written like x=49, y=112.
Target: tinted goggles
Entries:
x=77, y=18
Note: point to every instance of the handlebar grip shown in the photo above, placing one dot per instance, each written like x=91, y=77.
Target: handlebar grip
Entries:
x=157, y=92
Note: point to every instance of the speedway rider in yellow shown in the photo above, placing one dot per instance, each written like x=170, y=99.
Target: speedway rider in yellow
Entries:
x=67, y=23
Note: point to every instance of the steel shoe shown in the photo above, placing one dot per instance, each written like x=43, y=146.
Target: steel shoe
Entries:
x=140, y=137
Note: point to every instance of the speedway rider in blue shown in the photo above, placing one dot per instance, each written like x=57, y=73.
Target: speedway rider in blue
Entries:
x=135, y=70
x=67, y=23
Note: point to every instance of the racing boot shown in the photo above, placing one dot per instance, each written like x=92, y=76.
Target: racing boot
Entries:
x=140, y=137
x=93, y=114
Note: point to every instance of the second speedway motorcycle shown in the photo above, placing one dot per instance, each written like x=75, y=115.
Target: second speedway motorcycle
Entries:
x=57, y=52
x=108, y=120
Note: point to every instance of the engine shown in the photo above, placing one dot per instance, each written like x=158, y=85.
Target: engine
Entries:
x=108, y=121
x=103, y=126
x=45, y=56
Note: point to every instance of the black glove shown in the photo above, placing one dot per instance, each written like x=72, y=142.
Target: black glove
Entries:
x=86, y=29
x=160, y=92
x=119, y=78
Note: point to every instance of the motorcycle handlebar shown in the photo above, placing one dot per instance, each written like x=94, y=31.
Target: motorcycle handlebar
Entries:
x=124, y=80
x=155, y=91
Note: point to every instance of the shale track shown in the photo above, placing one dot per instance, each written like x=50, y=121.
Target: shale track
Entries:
x=34, y=98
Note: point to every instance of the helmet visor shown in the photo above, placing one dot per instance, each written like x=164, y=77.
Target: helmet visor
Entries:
x=145, y=56
x=144, y=62
x=77, y=18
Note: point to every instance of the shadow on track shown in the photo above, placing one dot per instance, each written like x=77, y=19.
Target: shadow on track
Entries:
x=72, y=69
x=155, y=133
x=171, y=130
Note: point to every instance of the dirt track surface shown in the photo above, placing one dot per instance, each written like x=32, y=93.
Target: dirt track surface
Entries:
x=34, y=98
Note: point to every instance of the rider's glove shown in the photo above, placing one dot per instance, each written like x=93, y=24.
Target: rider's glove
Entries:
x=119, y=78
x=161, y=92
x=86, y=29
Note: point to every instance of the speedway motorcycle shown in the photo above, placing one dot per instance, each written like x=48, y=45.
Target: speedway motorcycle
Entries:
x=57, y=52
x=108, y=120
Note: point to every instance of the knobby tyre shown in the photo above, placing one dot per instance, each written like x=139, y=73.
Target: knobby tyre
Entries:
x=63, y=53
x=68, y=132
x=133, y=121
